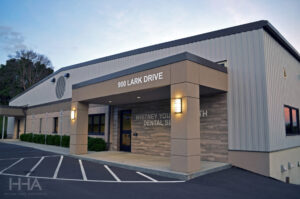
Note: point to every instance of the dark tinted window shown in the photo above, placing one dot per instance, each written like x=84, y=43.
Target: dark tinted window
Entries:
x=96, y=124
x=291, y=119
x=55, y=129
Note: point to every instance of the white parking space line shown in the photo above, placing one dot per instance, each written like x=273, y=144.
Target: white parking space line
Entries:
x=148, y=177
x=58, y=167
x=29, y=157
x=82, y=170
x=80, y=180
x=35, y=166
x=112, y=173
x=11, y=165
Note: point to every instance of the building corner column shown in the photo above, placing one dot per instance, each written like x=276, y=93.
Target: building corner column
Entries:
x=79, y=129
x=185, y=128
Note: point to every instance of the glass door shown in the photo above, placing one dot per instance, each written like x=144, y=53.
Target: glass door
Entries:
x=125, y=131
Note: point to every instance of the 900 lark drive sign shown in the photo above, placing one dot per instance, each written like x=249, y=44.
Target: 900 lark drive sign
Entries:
x=141, y=80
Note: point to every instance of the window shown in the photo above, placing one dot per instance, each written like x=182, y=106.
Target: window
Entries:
x=291, y=119
x=55, y=127
x=96, y=124
x=40, y=131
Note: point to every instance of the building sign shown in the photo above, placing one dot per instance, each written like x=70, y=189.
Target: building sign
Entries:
x=160, y=119
x=154, y=119
x=141, y=80
x=203, y=113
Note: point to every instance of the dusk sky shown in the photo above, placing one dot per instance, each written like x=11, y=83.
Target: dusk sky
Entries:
x=74, y=31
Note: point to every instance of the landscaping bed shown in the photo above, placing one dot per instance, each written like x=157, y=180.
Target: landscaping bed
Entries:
x=94, y=144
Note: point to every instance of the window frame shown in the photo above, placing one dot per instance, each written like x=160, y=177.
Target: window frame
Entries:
x=292, y=133
x=99, y=127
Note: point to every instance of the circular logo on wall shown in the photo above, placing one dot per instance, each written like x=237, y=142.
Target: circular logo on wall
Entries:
x=60, y=87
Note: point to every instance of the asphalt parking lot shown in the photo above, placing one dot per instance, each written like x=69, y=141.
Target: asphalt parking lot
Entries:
x=27, y=172
x=34, y=163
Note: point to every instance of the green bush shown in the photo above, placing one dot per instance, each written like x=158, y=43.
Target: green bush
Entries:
x=56, y=140
x=38, y=138
x=53, y=140
x=65, y=141
x=96, y=144
x=49, y=139
x=27, y=137
x=22, y=137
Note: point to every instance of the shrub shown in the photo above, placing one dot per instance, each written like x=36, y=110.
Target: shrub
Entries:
x=65, y=141
x=29, y=137
x=96, y=144
x=49, y=139
x=38, y=138
x=22, y=137
x=53, y=140
x=56, y=140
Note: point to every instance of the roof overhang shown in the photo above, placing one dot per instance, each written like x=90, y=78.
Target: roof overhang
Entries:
x=153, y=80
x=12, y=111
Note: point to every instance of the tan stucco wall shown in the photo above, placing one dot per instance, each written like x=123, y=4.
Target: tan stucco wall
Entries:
x=33, y=123
x=60, y=110
x=269, y=163
x=284, y=157
x=257, y=162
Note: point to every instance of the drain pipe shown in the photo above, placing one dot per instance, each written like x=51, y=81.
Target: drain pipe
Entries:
x=108, y=128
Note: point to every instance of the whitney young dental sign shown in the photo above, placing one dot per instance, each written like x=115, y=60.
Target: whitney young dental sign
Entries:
x=141, y=80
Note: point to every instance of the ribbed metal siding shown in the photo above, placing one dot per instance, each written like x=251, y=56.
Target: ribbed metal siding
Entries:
x=280, y=91
x=247, y=108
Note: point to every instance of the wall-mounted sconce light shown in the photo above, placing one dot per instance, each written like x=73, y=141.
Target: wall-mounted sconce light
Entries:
x=67, y=75
x=178, y=105
x=283, y=168
x=290, y=165
x=73, y=114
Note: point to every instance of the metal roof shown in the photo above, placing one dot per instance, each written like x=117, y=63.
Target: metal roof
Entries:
x=268, y=27
x=154, y=64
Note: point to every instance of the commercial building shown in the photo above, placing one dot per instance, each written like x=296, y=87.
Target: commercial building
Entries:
x=230, y=95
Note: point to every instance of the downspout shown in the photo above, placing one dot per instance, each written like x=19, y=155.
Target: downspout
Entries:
x=108, y=128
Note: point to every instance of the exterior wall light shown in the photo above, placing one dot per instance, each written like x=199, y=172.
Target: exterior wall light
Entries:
x=73, y=114
x=178, y=105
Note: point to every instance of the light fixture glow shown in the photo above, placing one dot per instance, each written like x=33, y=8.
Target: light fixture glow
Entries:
x=138, y=97
x=109, y=101
x=73, y=114
x=178, y=105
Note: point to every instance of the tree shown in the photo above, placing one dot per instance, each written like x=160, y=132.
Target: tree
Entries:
x=21, y=71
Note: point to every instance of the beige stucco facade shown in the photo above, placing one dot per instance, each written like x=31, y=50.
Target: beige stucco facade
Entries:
x=244, y=124
x=278, y=164
x=182, y=80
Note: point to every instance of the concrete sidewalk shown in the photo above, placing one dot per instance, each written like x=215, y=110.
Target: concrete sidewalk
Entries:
x=144, y=163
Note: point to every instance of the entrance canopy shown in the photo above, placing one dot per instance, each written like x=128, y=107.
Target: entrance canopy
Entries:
x=11, y=111
x=152, y=81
